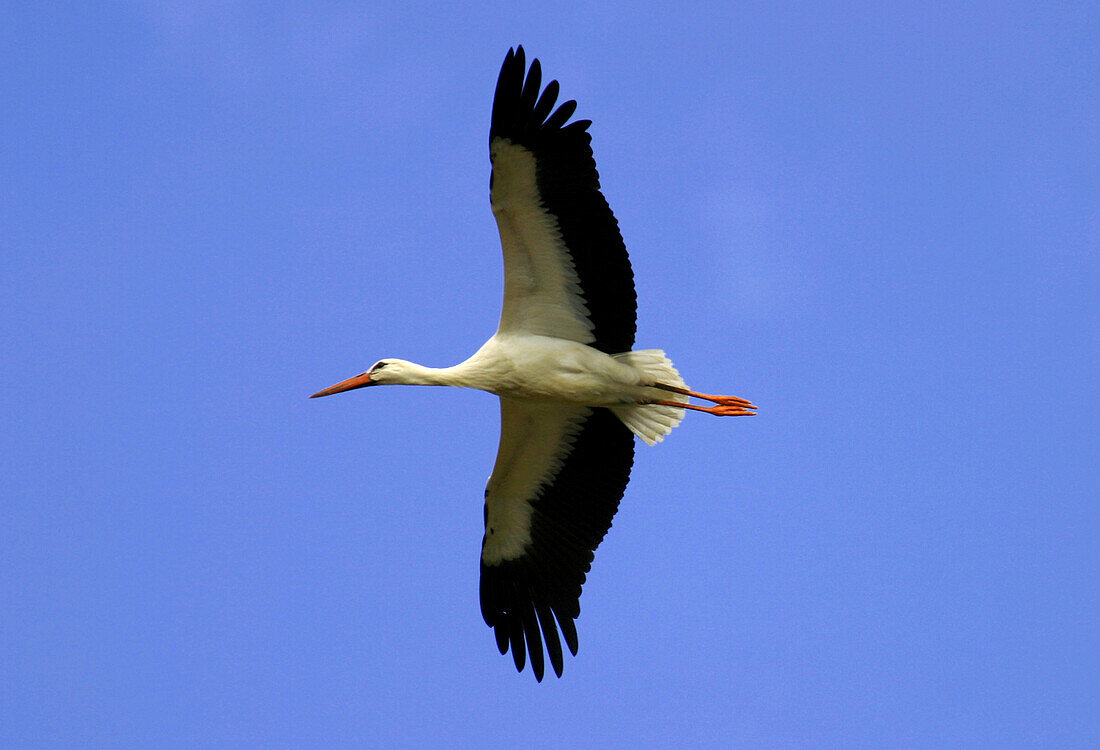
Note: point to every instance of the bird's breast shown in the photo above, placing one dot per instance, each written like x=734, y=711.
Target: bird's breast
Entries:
x=544, y=368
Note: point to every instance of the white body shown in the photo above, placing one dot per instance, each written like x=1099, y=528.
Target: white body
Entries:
x=545, y=368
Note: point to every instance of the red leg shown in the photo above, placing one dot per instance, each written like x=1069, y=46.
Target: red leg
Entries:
x=722, y=400
x=720, y=410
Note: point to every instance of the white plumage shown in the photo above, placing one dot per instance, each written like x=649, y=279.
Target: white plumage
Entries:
x=572, y=393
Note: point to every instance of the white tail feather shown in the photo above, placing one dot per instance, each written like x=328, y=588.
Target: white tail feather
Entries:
x=651, y=422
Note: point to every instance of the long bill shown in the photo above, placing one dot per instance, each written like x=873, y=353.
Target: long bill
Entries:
x=359, y=381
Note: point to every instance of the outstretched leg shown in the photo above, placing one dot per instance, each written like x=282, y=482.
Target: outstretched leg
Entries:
x=725, y=406
x=718, y=410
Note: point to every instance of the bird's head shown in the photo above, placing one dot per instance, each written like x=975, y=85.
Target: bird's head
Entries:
x=382, y=372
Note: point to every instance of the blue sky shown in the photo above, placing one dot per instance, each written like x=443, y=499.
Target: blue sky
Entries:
x=880, y=225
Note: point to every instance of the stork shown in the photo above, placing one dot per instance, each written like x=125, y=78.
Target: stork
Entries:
x=572, y=393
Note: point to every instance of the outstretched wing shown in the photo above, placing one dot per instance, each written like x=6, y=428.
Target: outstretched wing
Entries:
x=566, y=271
x=559, y=475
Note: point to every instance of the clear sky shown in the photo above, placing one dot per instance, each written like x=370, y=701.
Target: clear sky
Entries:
x=880, y=225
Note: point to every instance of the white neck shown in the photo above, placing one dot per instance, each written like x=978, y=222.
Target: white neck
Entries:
x=411, y=373
x=482, y=370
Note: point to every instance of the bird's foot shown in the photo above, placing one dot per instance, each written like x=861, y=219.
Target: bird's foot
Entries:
x=730, y=401
x=725, y=406
x=718, y=410
x=730, y=410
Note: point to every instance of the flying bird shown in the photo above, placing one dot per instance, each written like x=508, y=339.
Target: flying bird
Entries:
x=572, y=393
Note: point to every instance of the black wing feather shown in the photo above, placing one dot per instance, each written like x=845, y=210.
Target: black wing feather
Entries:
x=569, y=187
x=521, y=599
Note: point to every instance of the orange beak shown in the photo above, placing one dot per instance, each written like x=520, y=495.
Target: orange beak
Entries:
x=359, y=381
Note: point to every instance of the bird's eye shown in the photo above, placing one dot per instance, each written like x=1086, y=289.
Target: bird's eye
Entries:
x=378, y=367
